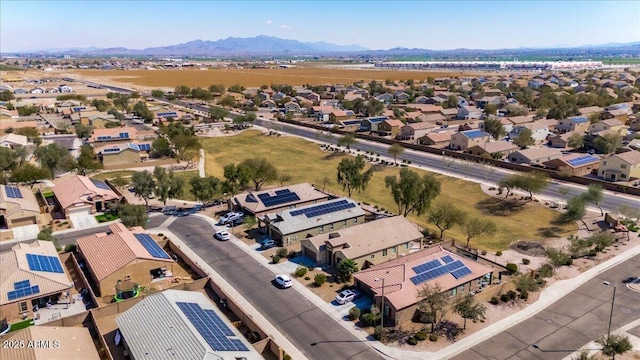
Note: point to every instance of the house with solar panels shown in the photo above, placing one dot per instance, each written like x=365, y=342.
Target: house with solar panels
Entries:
x=123, y=153
x=180, y=325
x=83, y=195
x=18, y=207
x=371, y=124
x=575, y=164
x=32, y=274
x=123, y=134
x=259, y=203
x=575, y=123
x=292, y=225
x=405, y=276
x=123, y=255
x=367, y=244
x=466, y=139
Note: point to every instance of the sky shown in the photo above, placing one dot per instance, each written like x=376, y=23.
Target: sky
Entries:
x=437, y=25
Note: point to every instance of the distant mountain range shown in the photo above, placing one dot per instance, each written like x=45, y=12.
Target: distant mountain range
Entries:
x=270, y=45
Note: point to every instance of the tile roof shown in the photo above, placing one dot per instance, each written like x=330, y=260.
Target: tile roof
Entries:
x=538, y=153
x=74, y=343
x=79, y=190
x=497, y=146
x=252, y=201
x=11, y=205
x=14, y=267
x=400, y=291
x=392, y=123
x=107, y=253
x=631, y=157
x=14, y=139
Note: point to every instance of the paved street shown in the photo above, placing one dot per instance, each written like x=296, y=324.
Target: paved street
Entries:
x=314, y=332
x=568, y=324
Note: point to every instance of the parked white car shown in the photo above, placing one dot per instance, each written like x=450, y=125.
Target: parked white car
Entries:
x=222, y=235
x=346, y=296
x=284, y=281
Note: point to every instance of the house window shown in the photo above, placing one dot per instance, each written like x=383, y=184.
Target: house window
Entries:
x=406, y=246
x=373, y=256
x=623, y=176
x=384, y=252
x=330, y=226
x=321, y=228
x=453, y=292
x=355, y=221
x=344, y=223
x=623, y=166
x=393, y=250
x=604, y=163
x=23, y=307
x=461, y=289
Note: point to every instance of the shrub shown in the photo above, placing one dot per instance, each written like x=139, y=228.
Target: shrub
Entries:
x=354, y=313
x=412, y=341
x=282, y=252
x=319, y=279
x=70, y=248
x=377, y=332
x=504, y=298
x=300, y=271
x=526, y=261
x=292, y=254
x=276, y=259
x=494, y=300
x=421, y=335
x=512, y=295
x=498, y=253
x=484, y=252
x=286, y=357
x=512, y=268
x=433, y=337
x=524, y=295
x=307, y=278
x=545, y=271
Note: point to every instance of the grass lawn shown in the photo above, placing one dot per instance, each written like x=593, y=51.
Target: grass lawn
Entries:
x=186, y=175
x=21, y=325
x=113, y=174
x=305, y=162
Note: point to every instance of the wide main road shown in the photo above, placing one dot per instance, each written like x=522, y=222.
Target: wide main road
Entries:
x=311, y=330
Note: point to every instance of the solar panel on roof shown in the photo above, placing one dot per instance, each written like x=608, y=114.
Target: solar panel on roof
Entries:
x=281, y=197
x=324, y=209
x=447, y=259
x=427, y=266
x=211, y=327
x=22, y=284
x=100, y=184
x=582, y=160
x=22, y=292
x=144, y=147
x=462, y=272
x=13, y=192
x=437, y=272
x=152, y=247
x=44, y=263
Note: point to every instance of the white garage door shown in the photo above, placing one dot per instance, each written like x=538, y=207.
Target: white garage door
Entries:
x=83, y=210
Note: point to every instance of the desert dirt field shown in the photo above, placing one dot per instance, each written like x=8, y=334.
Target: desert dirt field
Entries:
x=254, y=77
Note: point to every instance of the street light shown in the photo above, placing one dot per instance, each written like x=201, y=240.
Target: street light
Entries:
x=608, y=283
x=381, y=310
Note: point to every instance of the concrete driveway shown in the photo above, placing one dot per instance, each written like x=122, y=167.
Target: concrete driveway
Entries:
x=82, y=221
x=26, y=232
x=570, y=323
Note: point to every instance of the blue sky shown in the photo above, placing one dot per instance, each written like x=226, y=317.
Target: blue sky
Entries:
x=35, y=25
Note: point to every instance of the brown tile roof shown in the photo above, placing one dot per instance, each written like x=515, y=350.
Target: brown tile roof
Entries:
x=497, y=146
x=517, y=120
x=251, y=200
x=632, y=157
x=393, y=122
x=114, y=132
x=73, y=343
x=437, y=137
x=77, y=191
x=400, y=291
x=106, y=253
x=421, y=125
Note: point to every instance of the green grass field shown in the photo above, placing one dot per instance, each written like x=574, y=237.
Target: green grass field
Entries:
x=21, y=325
x=305, y=162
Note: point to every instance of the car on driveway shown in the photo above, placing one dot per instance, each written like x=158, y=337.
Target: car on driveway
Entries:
x=267, y=243
x=230, y=217
x=284, y=281
x=346, y=296
x=222, y=235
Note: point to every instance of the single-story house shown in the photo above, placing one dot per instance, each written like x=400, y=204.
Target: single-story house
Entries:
x=48, y=343
x=560, y=141
x=32, y=275
x=367, y=244
x=262, y=202
x=440, y=139
x=124, y=255
x=494, y=149
x=181, y=324
x=533, y=156
x=350, y=125
x=449, y=114
x=18, y=207
x=609, y=124
x=292, y=225
x=405, y=276
x=575, y=164
x=82, y=195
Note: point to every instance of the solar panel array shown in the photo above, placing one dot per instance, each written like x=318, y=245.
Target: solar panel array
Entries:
x=100, y=184
x=152, y=247
x=447, y=259
x=21, y=289
x=124, y=135
x=456, y=268
x=322, y=209
x=427, y=266
x=281, y=197
x=211, y=327
x=472, y=134
x=144, y=147
x=13, y=192
x=582, y=160
x=44, y=263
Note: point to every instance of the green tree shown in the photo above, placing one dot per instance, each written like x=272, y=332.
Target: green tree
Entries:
x=237, y=179
x=374, y=107
x=218, y=114
x=236, y=88
x=614, y=344
x=351, y=174
x=476, y=227
x=10, y=159
x=412, y=193
x=495, y=128
x=83, y=131
x=395, y=150
x=444, y=215
x=533, y=182
x=87, y=160
x=29, y=174
x=228, y=101
x=205, y=189
x=526, y=283
x=452, y=102
x=143, y=185
x=217, y=89
x=183, y=140
x=433, y=302
x=121, y=101
x=141, y=110
x=608, y=143
x=160, y=147
x=100, y=104
x=46, y=234
x=491, y=109
x=260, y=171
x=594, y=195
x=524, y=138
x=284, y=178
x=54, y=157
x=576, y=210
x=132, y=215
x=119, y=182
x=244, y=119
x=157, y=93
x=182, y=90
x=346, y=269
x=575, y=141
x=167, y=185
x=6, y=95
x=27, y=110
x=467, y=307
x=347, y=140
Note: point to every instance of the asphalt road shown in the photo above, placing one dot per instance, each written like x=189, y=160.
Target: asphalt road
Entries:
x=568, y=324
x=315, y=333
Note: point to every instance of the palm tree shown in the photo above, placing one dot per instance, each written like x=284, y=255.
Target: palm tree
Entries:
x=395, y=150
